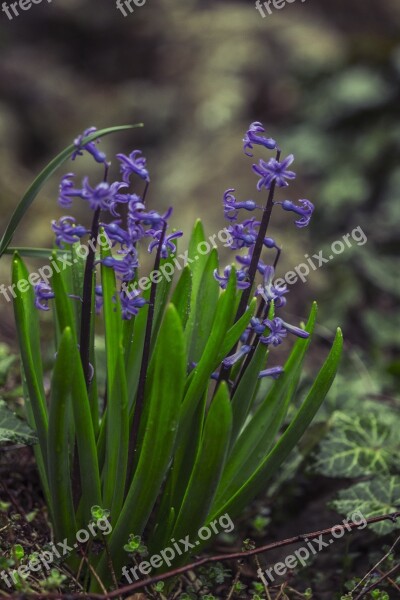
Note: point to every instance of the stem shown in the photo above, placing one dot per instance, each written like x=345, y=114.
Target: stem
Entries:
x=145, y=362
x=87, y=296
x=258, y=246
x=86, y=317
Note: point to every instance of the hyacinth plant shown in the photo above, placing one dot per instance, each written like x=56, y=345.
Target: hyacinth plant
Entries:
x=185, y=428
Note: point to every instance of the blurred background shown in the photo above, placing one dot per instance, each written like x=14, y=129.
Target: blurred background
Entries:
x=324, y=78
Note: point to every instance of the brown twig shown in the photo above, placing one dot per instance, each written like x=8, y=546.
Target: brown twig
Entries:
x=128, y=589
x=388, y=553
x=376, y=583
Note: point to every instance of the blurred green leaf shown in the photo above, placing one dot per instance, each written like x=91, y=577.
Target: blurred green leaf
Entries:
x=357, y=446
x=13, y=429
x=372, y=499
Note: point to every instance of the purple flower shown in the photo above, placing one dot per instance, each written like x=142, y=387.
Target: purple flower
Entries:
x=136, y=231
x=130, y=304
x=269, y=291
x=241, y=276
x=270, y=243
x=67, y=231
x=167, y=244
x=152, y=218
x=305, y=211
x=257, y=325
x=43, y=293
x=117, y=234
x=231, y=207
x=279, y=330
x=273, y=372
x=125, y=268
x=133, y=200
x=301, y=333
x=90, y=147
x=231, y=360
x=273, y=170
x=67, y=191
x=102, y=196
x=133, y=164
x=243, y=234
x=251, y=138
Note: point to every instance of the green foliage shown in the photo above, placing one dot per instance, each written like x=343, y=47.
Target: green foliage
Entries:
x=371, y=498
x=358, y=188
x=358, y=446
x=168, y=453
x=13, y=429
x=360, y=438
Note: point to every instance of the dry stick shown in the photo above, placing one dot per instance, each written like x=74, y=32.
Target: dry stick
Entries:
x=388, y=553
x=392, y=583
x=266, y=590
x=210, y=559
x=244, y=300
x=374, y=585
x=237, y=577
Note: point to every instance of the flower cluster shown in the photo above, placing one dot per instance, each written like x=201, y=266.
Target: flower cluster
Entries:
x=248, y=235
x=106, y=199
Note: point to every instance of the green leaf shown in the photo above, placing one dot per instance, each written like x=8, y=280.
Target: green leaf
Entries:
x=27, y=323
x=82, y=421
x=358, y=446
x=208, y=467
x=180, y=472
x=156, y=438
x=13, y=429
x=209, y=361
x=233, y=333
x=258, y=436
x=162, y=294
x=371, y=499
x=206, y=303
x=288, y=440
x=133, y=353
x=85, y=436
x=57, y=445
x=181, y=296
x=41, y=179
x=117, y=425
x=64, y=307
x=246, y=390
x=197, y=264
x=35, y=252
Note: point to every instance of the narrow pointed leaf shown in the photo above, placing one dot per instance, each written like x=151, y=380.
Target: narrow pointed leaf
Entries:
x=157, y=435
x=182, y=294
x=41, y=179
x=59, y=467
x=208, y=466
x=117, y=425
x=258, y=436
x=27, y=323
x=290, y=438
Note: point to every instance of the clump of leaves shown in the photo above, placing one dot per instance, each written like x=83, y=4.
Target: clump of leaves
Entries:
x=176, y=439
